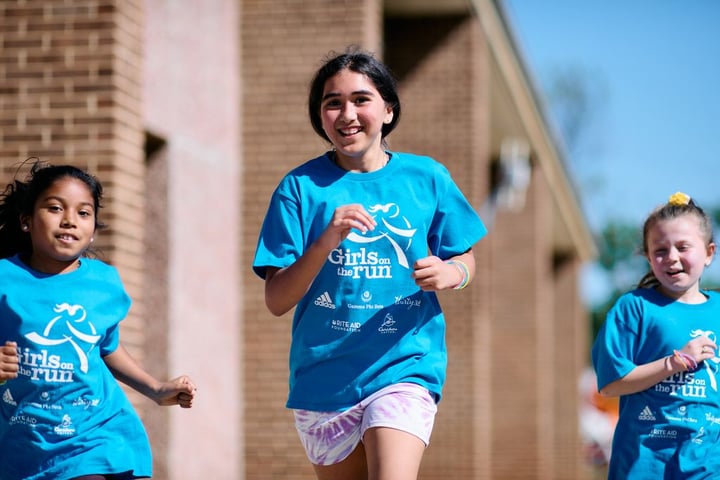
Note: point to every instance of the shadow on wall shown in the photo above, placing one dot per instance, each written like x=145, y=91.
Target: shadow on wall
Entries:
x=408, y=40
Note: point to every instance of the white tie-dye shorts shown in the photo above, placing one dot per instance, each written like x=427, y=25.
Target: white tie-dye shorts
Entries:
x=329, y=437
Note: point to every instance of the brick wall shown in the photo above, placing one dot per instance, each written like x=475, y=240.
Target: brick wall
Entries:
x=283, y=43
x=442, y=118
x=70, y=93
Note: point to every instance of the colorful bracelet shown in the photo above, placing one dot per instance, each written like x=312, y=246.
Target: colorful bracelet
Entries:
x=464, y=271
x=687, y=360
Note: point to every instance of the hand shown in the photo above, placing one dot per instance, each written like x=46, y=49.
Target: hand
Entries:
x=344, y=219
x=432, y=274
x=9, y=361
x=179, y=391
x=700, y=348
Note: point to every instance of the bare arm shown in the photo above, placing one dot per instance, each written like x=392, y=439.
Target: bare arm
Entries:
x=180, y=391
x=645, y=376
x=285, y=287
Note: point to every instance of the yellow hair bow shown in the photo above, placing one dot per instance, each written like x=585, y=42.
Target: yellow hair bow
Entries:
x=679, y=198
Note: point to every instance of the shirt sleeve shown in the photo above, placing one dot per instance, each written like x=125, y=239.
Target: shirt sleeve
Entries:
x=456, y=226
x=615, y=348
x=281, y=238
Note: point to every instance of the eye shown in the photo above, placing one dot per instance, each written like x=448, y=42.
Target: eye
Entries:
x=85, y=213
x=54, y=208
x=331, y=104
x=361, y=100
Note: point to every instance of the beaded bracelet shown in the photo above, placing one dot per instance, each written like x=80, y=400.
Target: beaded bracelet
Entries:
x=464, y=271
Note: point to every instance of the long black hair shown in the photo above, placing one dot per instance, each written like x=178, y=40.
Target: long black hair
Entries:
x=19, y=197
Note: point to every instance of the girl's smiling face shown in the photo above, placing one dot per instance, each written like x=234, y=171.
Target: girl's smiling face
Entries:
x=353, y=113
x=678, y=253
x=62, y=225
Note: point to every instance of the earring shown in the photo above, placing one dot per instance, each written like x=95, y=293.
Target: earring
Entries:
x=25, y=227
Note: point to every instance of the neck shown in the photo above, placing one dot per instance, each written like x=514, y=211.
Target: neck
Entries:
x=369, y=162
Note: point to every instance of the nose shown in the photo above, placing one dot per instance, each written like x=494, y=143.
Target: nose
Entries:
x=67, y=220
x=348, y=113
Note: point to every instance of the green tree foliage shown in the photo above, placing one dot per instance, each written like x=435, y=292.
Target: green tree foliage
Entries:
x=620, y=259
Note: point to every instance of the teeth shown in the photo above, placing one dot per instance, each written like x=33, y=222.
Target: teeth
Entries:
x=350, y=131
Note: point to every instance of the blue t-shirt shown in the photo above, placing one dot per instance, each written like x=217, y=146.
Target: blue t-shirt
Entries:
x=364, y=324
x=671, y=430
x=65, y=415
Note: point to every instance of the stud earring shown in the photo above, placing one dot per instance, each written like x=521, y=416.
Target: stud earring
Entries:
x=25, y=228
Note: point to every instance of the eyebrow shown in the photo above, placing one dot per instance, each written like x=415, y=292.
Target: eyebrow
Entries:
x=357, y=92
x=62, y=200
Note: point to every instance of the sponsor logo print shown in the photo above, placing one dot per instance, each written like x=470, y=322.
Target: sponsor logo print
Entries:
x=387, y=325
x=325, y=301
x=66, y=427
x=647, y=414
x=8, y=398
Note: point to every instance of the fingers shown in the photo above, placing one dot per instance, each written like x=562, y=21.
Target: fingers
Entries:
x=701, y=348
x=185, y=384
x=353, y=216
x=432, y=274
x=186, y=391
x=185, y=400
x=9, y=361
x=707, y=350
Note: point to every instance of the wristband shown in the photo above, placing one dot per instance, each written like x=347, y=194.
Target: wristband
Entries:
x=464, y=271
x=687, y=360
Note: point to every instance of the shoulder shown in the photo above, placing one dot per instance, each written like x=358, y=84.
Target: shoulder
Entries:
x=633, y=303
x=410, y=160
x=315, y=166
x=12, y=264
x=713, y=295
x=638, y=295
x=416, y=167
x=317, y=171
x=99, y=268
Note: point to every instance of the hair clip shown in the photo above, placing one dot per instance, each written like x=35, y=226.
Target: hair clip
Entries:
x=679, y=198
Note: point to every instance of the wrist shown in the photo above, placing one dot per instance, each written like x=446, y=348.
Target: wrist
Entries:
x=682, y=362
x=464, y=273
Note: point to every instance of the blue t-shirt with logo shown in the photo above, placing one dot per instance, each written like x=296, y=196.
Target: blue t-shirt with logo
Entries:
x=65, y=415
x=670, y=430
x=364, y=324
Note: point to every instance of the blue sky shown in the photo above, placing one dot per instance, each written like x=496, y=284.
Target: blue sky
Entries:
x=653, y=70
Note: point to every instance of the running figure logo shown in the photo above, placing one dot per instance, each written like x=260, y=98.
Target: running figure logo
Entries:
x=55, y=334
x=389, y=216
x=711, y=365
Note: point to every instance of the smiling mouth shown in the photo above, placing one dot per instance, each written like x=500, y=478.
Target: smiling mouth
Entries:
x=348, y=132
x=66, y=238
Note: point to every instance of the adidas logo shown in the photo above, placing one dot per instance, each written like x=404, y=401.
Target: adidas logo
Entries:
x=8, y=398
x=646, y=414
x=324, y=300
